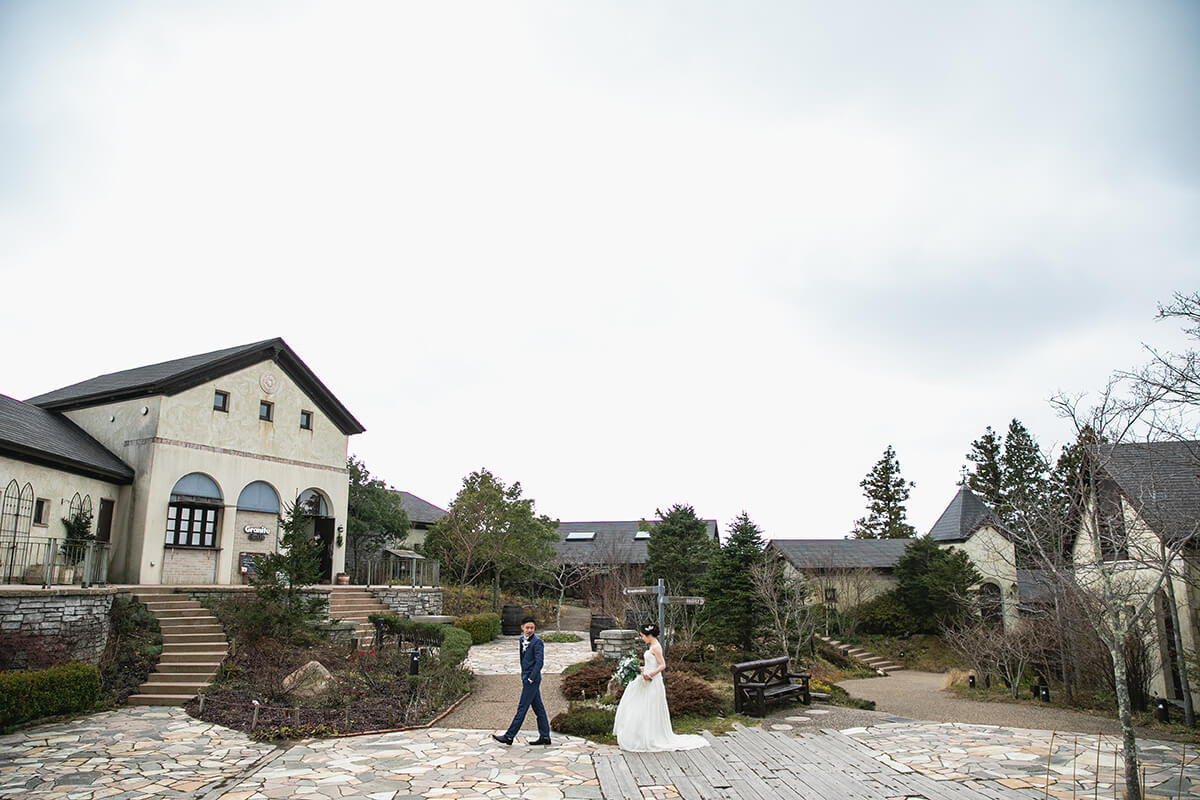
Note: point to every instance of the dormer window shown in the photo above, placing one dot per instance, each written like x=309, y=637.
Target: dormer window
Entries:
x=266, y=410
x=641, y=536
x=221, y=401
x=580, y=536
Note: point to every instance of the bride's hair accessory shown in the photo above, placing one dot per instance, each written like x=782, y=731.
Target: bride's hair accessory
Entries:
x=649, y=629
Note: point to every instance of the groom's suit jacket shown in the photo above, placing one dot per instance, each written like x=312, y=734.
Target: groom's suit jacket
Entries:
x=532, y=655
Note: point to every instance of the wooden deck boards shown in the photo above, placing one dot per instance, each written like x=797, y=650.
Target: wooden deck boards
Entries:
x=754, y=764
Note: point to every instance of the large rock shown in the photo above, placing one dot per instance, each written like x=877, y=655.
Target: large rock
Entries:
x=309, y=680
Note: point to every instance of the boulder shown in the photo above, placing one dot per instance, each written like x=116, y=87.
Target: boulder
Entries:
x=309, y=680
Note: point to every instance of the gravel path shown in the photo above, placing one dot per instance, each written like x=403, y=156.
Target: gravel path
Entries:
x=919, y=695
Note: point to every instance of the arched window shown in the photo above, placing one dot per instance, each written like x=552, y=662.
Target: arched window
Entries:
x=194, y=511
x=258, y=496
x=991, y=606
x=313, y=503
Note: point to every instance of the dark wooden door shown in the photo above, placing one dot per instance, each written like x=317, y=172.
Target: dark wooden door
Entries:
x=104, y=521
x=323, y=528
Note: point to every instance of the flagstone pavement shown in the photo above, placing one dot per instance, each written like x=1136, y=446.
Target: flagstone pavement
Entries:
x=500, y=656
x=138, y=753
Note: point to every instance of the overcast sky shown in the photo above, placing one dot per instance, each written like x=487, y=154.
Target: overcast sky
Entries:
x=627, y=253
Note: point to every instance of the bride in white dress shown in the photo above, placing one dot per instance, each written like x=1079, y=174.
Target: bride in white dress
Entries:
x=643, y=722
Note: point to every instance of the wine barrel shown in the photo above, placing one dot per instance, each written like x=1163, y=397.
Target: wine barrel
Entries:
x=600, y=622
x=510, y=620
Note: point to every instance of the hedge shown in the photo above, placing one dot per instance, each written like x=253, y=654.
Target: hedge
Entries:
x=452, y=643
x=482, y=627
x=584, y=721
x=32, y=694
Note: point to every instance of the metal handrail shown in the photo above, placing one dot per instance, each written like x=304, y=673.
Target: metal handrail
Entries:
x=398, y=571
x=49, y=561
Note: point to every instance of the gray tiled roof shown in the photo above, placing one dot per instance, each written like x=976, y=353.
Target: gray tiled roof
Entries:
x=172, y=377
x=841, y=553
x=419, y=511
x=1161, y=480
x=1035, y=587
x=614, y=542
x=965, y=515
x=29, y=433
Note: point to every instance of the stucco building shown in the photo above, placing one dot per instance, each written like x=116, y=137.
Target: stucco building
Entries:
x=185, y=465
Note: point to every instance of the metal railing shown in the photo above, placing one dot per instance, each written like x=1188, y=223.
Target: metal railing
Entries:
x=43, y=561
x=423, y=572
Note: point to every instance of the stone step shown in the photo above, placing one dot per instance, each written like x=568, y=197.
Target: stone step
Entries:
x=183, y=613
x=192, y=678
x=197, y=667
x=200, y=626
x=185, y=688
x=213, y=654
x=156, y=700
x=174, y=637
x=209, y=645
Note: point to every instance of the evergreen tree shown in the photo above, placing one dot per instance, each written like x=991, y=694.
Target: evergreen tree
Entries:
x=678, y=550
x=1024, y=482
x=934, y=583
x=987, y=479
x=886, y=492
x=281, y=579
x=733, y=607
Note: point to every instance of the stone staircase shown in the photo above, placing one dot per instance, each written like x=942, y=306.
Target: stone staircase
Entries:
x=355, y=604
x=194, y=645
x=880, y=665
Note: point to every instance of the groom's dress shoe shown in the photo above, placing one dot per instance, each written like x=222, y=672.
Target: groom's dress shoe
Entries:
x=543, y=740
x=502, y=739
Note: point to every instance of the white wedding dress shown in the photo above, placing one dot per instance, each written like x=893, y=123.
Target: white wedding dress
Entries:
x=643, y=722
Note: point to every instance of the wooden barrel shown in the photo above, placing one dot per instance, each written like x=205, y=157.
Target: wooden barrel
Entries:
x=510, y=620
x=600, y=622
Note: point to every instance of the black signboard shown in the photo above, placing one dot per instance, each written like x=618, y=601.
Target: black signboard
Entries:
x=248, y=562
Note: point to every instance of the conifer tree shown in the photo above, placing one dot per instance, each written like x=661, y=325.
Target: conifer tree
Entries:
x=732, y=604
x=1024, y=476
x=987, y=478
x=678, y=550
x=886, y=492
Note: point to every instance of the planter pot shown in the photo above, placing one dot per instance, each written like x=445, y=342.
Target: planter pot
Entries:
x=342, y=579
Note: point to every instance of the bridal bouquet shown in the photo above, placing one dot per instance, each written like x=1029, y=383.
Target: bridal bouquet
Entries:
x=628, y=668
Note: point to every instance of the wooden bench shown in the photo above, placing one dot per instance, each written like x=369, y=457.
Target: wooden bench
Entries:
x=755, y=683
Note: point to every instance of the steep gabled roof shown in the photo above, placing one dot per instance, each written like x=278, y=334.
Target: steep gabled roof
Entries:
x=613, y=543
x=172, y=377
x=419, y=511
x=29, y=433
x=814, y=554
x=1161, y=480
x=965, y=515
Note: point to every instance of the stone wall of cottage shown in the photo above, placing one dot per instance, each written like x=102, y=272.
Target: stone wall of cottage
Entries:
x=410, y=602
x=73, y=622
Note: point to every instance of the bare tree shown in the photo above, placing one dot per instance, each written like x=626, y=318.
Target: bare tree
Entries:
x=563, y=576
x=784, y=595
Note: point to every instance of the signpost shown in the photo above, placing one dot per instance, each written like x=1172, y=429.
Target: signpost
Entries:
x=663, y=598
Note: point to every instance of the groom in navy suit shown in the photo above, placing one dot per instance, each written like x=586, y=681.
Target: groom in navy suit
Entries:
x=532, y=653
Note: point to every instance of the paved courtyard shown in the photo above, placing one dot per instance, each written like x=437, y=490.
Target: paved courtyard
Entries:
x=500, y=656
x=140, y=753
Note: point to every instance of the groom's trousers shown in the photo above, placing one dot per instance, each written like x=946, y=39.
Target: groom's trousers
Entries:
x=531, y=695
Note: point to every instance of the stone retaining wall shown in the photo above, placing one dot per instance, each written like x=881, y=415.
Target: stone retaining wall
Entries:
x=54, y=621
x=407, y=601
x=615, y=644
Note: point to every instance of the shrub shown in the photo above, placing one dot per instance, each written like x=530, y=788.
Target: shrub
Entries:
x=588, y=681
x=29, y=695
x=887, y=615
x=482, y=627
x=132, y=651
x=560, y=638
x=455, y=644
x=584, y=721
x=688, y=696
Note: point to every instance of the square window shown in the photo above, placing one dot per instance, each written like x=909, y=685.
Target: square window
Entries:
x=266, y=410
x=306, y=420
x=41, y=511
x=220, y=401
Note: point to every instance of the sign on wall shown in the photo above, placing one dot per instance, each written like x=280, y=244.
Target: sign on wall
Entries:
x=248, y=563
x=256, y=533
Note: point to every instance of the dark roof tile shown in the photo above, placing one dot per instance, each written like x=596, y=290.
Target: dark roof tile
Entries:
x=841, y=553
x=29, y=433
